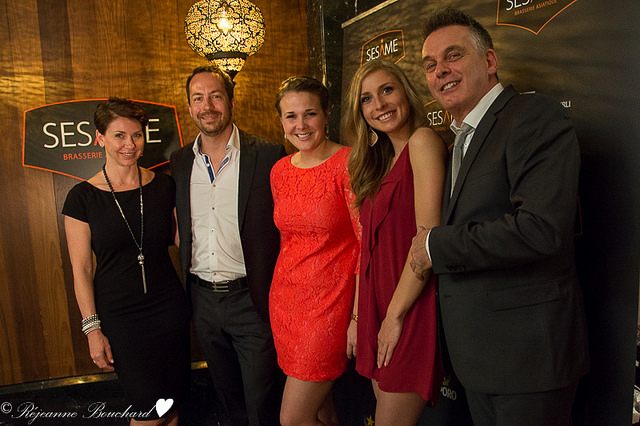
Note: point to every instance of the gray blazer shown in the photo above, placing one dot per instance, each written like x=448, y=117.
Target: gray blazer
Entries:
x=511, y=305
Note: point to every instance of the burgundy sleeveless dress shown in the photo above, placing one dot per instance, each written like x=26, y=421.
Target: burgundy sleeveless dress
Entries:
x=388, y=226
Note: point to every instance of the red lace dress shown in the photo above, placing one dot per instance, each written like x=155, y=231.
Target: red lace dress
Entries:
x=313, y=287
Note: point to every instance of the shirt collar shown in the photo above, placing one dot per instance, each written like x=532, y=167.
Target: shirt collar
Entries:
x=476, y=114
x=233, y=145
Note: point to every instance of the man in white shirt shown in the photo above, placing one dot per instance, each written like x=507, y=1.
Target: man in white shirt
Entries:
x=228, y=249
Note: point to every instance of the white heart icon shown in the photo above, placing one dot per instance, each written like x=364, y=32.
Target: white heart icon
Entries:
x=163, y=405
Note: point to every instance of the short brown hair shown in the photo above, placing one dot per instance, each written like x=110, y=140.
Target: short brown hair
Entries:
x=113, y=108
x=228, y=83
x=452, y=16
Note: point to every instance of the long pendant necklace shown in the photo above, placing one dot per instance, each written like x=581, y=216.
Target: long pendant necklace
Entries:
x=139, y=246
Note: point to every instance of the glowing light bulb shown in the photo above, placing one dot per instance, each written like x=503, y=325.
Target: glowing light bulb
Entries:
x=224, y=24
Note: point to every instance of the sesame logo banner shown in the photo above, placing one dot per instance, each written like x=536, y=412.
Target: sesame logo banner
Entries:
x=388, y=45
x=530, y=15
x=60, y=137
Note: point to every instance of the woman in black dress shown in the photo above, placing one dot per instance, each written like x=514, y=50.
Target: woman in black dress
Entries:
x=133, y=308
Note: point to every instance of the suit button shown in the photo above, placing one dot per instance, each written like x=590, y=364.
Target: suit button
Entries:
x=455, y=268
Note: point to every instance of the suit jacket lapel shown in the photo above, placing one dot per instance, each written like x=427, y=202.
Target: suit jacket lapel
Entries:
x=182, y=169
x=478, y=139
x=247, y=169
x=185, y=168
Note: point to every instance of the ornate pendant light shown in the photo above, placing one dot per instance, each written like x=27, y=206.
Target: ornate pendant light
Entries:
x=225, y=31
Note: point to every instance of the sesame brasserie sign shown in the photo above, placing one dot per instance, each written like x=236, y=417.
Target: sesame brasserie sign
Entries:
x=60, y=137
x=530, y=15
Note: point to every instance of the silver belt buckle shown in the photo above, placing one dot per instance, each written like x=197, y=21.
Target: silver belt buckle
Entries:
x=221, y=287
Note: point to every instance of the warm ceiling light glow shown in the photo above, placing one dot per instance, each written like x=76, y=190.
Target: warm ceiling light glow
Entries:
x=225, y=31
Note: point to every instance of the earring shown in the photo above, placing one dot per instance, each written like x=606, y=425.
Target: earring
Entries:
x=372, y=136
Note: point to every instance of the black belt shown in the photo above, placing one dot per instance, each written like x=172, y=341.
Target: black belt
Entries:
x=221, y=286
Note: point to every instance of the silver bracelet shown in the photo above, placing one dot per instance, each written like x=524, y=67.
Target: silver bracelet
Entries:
x=89, y=319
x=90, y=323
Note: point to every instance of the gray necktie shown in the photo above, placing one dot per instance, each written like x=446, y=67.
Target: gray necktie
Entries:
x=456, y=159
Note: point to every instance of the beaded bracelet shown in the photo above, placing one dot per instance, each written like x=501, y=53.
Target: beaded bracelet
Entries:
x=89, y=319
x=90, y=324
x=354, y=317
x=92, y=327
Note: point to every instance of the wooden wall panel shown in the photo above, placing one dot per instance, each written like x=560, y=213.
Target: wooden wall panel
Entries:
x=8, y=339
x=9, y=354
x=57, y=50
x=287, y=43
x=51, y=292
x=25, y=73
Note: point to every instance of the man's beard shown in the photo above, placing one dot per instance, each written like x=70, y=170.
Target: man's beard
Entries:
x=215, y=127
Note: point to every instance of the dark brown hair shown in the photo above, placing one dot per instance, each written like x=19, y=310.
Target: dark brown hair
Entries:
x=228, y=83
x=452, y=16
x=113, y=108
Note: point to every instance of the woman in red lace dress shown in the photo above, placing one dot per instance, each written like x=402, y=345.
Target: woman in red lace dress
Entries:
x=313, y=289
x=394, y=156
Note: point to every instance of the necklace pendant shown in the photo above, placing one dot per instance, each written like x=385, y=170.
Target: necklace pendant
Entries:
x=144, y=276
x=144, y=280
x=126, y=222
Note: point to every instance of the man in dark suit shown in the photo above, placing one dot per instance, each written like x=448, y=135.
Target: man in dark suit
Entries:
x=228, y=249
x=511, y=306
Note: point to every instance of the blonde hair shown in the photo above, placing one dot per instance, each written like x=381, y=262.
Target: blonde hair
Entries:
x=368, y=165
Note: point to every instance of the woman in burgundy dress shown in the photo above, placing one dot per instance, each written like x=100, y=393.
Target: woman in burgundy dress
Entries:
x=393, y=156
x=312, y=294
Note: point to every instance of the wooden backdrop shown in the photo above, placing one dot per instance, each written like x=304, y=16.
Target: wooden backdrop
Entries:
x=57, y=50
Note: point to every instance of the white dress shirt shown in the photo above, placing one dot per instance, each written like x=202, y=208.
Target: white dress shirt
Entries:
x=216, y=246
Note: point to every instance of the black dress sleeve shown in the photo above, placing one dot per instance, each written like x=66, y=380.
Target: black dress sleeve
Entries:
x=75, y=203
